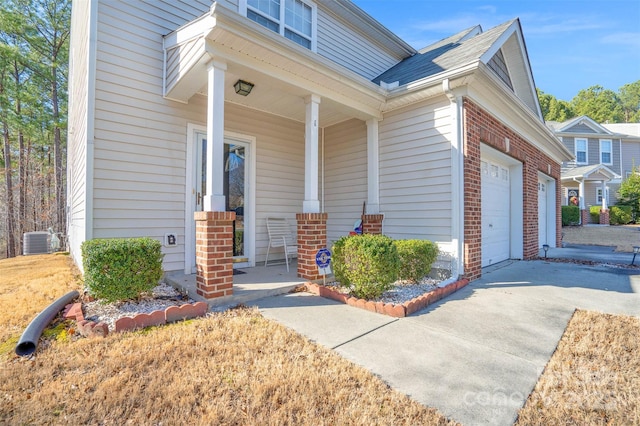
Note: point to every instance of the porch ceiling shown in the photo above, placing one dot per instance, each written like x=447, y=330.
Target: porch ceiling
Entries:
x=283, y=73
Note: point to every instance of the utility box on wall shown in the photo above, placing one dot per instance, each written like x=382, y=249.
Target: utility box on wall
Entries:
x=170, y=240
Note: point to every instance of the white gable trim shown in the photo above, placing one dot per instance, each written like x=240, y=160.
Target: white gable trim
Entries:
x=586, y=121
x=518, y=65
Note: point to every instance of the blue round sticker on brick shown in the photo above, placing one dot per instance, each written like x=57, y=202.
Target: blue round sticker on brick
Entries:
x=323, y=258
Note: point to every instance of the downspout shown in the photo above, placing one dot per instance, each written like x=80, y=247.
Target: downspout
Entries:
x=457, y=180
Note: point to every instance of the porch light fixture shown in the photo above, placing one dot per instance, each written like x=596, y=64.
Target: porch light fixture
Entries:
x=243, y=87
x=545, y=247
x=636, y=250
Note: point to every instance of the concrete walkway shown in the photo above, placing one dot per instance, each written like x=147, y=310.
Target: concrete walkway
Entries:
x=476, y=355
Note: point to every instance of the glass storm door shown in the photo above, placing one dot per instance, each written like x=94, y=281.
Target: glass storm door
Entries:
x=235, y=187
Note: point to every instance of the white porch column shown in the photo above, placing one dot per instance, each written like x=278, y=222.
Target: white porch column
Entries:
x=311, y=202
x=581, y=189
x=604, y=195
x=373, y=167
x=214, y=200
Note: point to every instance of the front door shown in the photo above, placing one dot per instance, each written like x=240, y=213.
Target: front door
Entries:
x=236, y=183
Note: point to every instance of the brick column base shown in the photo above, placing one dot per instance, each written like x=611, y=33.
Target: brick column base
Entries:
x=584, y=217
x=604, y=217
x=312, y=236
x=214, y=253
x=372, y=224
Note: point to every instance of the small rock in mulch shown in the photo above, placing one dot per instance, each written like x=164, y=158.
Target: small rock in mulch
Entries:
x=403, y=291
x=160, y=298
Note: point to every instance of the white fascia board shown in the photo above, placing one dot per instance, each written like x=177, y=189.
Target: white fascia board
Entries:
x=256, y=33
x=429, y=87
x=532, y=128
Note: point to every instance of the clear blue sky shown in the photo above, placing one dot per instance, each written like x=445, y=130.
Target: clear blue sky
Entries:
x=572, y=44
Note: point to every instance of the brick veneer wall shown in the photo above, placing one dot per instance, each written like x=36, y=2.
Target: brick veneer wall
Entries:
x=482, y=127
x=604, y=217
x=372, y=224
x=214, y=253
x=312, y=236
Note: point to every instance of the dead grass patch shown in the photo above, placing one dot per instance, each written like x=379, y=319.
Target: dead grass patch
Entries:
x=593, y=377
x=229, y=368
x=621, y=237
x=29, y=284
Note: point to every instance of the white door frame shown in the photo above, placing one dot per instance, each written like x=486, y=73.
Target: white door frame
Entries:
x=190, y=195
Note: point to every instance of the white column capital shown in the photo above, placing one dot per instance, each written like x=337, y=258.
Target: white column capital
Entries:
x=217, y=63
x=316, y=99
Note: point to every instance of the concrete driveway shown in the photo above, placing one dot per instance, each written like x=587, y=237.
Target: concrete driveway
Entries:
x=477, y=354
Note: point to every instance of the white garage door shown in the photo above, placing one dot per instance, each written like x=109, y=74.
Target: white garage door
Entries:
x=542, y=212
x=495, y=212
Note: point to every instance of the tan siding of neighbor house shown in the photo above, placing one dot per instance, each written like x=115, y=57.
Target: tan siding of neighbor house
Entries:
x=345, y=176
x=630, y=157
x=78, y=128
x=415, y=172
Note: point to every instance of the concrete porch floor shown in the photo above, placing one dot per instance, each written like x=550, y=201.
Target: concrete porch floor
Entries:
x=256, y=283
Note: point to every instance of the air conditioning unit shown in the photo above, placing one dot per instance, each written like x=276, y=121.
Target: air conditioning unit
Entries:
x=35, y=243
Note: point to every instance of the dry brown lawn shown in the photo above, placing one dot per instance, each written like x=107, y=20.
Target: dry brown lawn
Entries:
x=239, y=368
x=622, y=237
x=593, y=377
x=28, y=284
x=228, y=368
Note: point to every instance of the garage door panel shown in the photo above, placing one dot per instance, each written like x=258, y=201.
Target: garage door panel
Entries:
x=495, y=212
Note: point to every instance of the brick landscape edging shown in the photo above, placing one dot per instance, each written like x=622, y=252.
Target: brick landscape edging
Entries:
x=159, y=317
x=391, y=309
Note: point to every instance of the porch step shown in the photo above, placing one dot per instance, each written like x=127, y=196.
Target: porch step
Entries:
x=243, y=293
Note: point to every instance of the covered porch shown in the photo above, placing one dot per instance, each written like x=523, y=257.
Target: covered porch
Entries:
x=587, y=177
x=249, y=285
x=290, y=106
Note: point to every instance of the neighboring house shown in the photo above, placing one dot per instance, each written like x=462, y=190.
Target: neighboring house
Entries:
x=629, y=134
x=447, y=143
x=604, y=154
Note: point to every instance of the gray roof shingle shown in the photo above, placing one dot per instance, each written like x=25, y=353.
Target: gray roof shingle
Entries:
x=449, y=53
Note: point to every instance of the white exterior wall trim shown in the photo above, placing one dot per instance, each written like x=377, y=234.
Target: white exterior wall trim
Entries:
x=457, y=178
x=91, y=106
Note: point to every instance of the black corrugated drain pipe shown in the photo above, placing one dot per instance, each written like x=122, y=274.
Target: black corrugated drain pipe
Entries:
x=29, y=339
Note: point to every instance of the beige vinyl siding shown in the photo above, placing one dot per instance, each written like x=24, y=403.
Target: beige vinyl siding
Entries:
x=181, y=58
x=78, y=129
x=415, y=172
x=279, y=168
x=139, y=150
x=339, y=43
x=345, y=176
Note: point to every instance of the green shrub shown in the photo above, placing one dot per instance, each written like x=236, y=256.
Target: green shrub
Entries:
x=594, y=213
x=366, y=264
x=570, y=215
x=416, y=258
x=620, y=215
x=121, y=269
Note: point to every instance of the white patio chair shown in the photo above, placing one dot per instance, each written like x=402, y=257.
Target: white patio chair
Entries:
x=280, y=235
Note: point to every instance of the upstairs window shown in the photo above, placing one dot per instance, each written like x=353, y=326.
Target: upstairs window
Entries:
x=581, y=151
x=293, y=19
x=605, y=151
